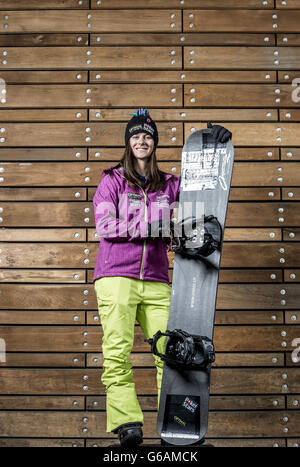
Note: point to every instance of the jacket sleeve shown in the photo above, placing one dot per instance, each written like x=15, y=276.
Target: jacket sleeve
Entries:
x=110, y=223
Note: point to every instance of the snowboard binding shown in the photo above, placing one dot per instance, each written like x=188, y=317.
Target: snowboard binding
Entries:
x=183, y=350
x=211, y=240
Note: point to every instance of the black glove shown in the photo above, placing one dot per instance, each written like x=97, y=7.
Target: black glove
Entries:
x=160, y=229
x=221, y=134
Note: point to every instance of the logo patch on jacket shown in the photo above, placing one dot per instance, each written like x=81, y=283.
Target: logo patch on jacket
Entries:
x=134, y=199
x=163, y=199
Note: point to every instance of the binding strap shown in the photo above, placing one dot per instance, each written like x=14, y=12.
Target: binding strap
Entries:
x=188, y=351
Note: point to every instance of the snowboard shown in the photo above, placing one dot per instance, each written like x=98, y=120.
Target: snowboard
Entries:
x=206, y=170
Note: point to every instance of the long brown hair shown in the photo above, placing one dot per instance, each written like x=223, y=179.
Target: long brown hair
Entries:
x=154, y=174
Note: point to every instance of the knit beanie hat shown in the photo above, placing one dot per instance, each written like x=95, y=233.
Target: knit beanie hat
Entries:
x=141, y=122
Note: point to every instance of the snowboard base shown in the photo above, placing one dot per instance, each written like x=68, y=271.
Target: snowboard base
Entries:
x=164, y=445
x=206, y=170
x=199, y=444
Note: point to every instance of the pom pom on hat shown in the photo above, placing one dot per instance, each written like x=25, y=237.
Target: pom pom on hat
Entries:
x=140, y=112
x=141, y=122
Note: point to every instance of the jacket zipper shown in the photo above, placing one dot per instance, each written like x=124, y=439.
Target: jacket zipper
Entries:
x=144, y=246
x=146, y=220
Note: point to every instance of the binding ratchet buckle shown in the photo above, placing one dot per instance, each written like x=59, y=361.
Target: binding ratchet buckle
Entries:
x=184, y=350
x=212, y=238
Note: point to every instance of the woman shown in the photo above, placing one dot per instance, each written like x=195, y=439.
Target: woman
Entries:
x=131, y=273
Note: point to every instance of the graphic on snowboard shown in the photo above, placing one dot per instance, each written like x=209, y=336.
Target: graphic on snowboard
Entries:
x=206, y=172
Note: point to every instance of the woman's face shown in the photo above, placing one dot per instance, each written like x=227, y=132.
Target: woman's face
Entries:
x=142, y=145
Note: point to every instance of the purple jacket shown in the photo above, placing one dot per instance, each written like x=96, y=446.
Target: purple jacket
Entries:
x=121, y=216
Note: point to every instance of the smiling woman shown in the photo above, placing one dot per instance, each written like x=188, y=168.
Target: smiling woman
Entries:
x=139, y=158
x=136, y=199
x=142, y=146
x=131, y=274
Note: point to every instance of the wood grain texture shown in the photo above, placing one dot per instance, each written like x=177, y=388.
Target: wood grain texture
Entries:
x=223, y=360
x=72, y=72
x=42, y=317
x=242, y=95
x=291, y=275
x=290, y=154
x=292, y=234
x=28, y=76
x=36, y=4
x=43, y=442
x=291, y=115
x=257, y=134
x=65, y=424
x=149, y=402
x=71, y=214
x=260, y=296
x=222, y=317
x=17, y=40
x=266, y=174
x=217, y=442
x=43, y=194
x=66, y=134
x=270, y=58
x=262, y=214
x=186, y=4
x=43, y=115
x=44, y=255
x=78, y=134
x=291, y=194
x=47, y=360
x=287, y=5
x=98, y=94
x=172, y=154
x=72, y=339
x=189, y=76
x=49, y=235
x=90, y=57
x=240, y=21
x=187, y=114
x=68, y=255
x=47, y=214
x=42, y=275
x=44, y=154
x=178, y=39
x=49, y=21
x=71, y=381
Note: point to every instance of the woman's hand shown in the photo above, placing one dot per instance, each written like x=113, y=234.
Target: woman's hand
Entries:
x=160, y=229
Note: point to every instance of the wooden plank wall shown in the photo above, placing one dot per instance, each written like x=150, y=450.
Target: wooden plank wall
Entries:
x=71, y=73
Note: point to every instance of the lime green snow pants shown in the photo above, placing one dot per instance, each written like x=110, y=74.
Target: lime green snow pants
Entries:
x=121, y=301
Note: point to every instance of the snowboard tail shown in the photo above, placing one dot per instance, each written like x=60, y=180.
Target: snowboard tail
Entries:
x=182, y=417
x=185, y=414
